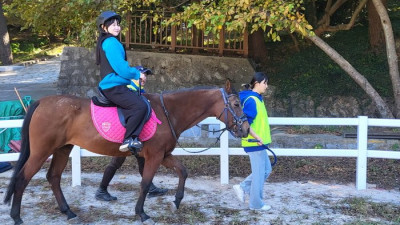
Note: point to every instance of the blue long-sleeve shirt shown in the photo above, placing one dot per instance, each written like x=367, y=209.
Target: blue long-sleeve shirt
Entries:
x=115, y=54
x=250, y=108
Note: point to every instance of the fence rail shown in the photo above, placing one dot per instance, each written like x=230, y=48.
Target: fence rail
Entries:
x=224, y=151
x=146, y=32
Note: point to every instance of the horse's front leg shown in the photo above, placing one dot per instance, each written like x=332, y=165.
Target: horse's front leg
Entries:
x=173, y=163
x=150, y=167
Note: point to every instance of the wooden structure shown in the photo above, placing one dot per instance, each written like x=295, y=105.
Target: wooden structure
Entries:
x=147, y=33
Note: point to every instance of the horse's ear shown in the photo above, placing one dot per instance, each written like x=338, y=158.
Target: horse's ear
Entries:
x=228, y=86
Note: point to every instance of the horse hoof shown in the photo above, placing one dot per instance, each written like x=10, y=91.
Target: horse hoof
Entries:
x=144, y=217
x=18, y=222
x=177, y=203
x=172, y=206
x=149, y=222
x=70, y=215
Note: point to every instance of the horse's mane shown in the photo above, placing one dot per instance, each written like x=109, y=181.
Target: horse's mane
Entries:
x=190, y=89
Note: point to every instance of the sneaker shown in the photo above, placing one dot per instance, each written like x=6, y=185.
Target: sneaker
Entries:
x=132, y=144
x=125, y=145
x=264, y=208
x=136, y=144
x=239, y=192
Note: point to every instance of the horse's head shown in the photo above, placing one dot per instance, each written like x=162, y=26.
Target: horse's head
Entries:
x=232, y=115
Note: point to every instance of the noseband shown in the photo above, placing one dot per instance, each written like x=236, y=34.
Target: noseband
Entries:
x=237, y=120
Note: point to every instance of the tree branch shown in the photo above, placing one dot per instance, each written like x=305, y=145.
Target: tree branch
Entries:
x=352, y=20
x=326, y=19
x=390, y=52
x=382, y=107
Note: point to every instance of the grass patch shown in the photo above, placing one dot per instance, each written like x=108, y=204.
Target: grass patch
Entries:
x=363, y=207
x=47, y=51
x=187, y=214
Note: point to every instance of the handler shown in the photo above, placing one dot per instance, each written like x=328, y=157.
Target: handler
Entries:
x=254, y=108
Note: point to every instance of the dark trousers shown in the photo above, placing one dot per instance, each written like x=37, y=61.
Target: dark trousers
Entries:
x=132, y=106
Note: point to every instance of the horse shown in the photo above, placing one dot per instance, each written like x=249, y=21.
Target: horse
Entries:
x=54, y=124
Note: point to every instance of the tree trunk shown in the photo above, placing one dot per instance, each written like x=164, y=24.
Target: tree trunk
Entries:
x=382, y=107
x=257, y=48
x=5, y=48
x=391, y=53
x=375, y=30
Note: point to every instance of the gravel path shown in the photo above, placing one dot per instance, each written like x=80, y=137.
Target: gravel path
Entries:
x=36, y=80
x=206, y=201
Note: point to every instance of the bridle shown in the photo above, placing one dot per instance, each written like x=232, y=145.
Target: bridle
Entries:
x=238, y=120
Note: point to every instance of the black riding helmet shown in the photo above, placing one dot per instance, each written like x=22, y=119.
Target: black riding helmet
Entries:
x=107, y=15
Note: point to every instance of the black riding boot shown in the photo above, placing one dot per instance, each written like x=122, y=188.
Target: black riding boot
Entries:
x=103, y=195
x=155, y=191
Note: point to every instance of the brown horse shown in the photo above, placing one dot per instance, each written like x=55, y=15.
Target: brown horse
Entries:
x=54, y=124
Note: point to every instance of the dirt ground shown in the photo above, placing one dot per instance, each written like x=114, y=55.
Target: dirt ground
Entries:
x=206, y=201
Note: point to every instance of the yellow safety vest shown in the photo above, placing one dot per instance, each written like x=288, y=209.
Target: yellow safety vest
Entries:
x=260, y=124
x=135, y=85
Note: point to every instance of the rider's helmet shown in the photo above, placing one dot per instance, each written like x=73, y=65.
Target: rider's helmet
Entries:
x=107, y=15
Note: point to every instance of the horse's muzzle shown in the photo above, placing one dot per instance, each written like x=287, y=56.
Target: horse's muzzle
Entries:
x=243, y=130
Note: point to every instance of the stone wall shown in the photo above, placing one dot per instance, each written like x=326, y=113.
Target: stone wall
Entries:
x=80, y=76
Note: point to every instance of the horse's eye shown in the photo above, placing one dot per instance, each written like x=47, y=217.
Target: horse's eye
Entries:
x=237, y=104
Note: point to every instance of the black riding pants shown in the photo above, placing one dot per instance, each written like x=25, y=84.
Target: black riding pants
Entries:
x=132, y=106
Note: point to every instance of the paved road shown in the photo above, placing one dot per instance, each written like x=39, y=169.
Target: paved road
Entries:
x=36, y=80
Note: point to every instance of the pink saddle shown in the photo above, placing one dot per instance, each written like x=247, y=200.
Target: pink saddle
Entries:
x=107, y=123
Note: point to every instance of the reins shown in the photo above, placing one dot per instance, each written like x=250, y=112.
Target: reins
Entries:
x=238, y=120
x=172, y=128
x=267, y=148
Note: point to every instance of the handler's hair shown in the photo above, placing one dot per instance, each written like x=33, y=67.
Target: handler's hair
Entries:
x=257, y=77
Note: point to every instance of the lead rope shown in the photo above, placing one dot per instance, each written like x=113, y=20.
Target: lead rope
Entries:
x=173, y=131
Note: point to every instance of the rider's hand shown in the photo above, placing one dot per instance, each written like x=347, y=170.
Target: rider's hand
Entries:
x=142, y=79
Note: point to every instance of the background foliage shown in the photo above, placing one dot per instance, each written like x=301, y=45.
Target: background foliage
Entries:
x=42, y=25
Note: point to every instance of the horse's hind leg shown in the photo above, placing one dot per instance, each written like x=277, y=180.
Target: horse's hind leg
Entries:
x=31, y=167
x=57, y=166
x=173, y=163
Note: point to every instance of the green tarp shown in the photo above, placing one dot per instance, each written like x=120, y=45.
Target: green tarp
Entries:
x=10, y=110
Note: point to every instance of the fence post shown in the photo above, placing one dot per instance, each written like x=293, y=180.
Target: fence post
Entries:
x=245, y=43
x=221, y=44
x=224, y=157
x=128, y=32
x=173, y=38
x=362, y=140
x=76, y=166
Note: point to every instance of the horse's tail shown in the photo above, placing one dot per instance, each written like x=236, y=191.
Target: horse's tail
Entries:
x=24, y=153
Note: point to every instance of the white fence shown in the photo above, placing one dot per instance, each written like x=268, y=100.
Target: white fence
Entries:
x=224, y=151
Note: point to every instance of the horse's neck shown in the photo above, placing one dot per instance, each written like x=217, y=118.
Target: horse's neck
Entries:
x=187, y=109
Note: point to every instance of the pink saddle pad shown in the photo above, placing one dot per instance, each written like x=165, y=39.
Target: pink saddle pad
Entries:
x=107, y=123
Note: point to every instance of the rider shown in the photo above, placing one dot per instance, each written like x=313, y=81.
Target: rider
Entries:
x=116, y=74
x=116, y=162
